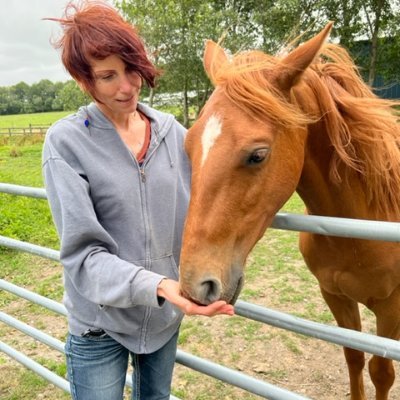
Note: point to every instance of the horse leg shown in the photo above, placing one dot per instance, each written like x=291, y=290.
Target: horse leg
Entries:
x=347, y=315
x=381, y=369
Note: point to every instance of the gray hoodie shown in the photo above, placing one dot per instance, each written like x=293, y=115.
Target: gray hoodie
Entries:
x=120, y=224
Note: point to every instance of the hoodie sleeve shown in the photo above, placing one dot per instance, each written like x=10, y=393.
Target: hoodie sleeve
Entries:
x=87, y=250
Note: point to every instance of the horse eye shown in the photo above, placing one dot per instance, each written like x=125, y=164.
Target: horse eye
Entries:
x=257, y=156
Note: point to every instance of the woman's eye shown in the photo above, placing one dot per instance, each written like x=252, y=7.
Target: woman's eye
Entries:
x=257, y=156
x=107, y=77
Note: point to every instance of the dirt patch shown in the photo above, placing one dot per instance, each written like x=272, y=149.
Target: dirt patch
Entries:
x=307, y=366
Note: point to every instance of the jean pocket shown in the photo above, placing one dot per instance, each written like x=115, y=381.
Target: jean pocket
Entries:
x=91, y=347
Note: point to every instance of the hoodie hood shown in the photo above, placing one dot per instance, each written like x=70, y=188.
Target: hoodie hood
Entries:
x=160, y=122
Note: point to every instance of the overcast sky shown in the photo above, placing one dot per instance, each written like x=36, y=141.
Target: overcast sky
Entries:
x=25, y=52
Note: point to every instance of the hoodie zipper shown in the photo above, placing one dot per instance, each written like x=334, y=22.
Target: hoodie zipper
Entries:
x=142, y=174
x=147, y=313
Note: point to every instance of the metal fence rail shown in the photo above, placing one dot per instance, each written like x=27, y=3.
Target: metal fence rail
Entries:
x=322, y=225
x=212, y=369
x=366, y=342
x=330, y=226
x=34, y=366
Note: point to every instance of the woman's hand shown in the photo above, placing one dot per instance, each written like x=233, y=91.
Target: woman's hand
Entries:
x=169, y=289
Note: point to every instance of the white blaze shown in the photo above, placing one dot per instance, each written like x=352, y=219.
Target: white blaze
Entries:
x=210, y=135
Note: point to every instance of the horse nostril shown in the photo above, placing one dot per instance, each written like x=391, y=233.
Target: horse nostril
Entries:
x=210, y=290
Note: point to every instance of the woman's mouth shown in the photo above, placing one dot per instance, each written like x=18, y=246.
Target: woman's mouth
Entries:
x=125, y=101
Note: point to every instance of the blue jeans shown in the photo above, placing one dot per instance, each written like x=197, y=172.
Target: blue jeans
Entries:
x=97, y=369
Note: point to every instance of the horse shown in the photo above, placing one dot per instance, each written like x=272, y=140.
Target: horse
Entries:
x=302, y=121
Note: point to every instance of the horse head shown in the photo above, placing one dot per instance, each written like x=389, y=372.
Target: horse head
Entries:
x=247, y=152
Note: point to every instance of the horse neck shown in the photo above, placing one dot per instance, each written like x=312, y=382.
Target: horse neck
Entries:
x=319, y=193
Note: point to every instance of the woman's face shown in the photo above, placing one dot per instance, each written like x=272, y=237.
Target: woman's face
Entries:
x=116, y=87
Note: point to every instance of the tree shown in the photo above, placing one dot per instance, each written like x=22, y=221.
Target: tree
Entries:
x=168, y=29
x=14, y=104
x=379, y=14
x=356, y=23
x=372, y=22
x=57, y=104
x=22, y=91
x=42, y=95
x=72, y=97
x=175, y=31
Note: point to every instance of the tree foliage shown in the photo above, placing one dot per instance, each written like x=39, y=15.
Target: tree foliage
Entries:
x=43, y=96
x=175, y=31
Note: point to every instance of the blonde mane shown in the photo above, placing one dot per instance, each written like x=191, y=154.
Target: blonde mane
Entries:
x=245, y=81
x=362, y=127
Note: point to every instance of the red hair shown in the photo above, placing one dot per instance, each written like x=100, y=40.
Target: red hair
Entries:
x=96, y=30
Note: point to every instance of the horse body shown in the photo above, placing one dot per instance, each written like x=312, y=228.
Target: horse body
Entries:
x=273, y=126
x=351, y=271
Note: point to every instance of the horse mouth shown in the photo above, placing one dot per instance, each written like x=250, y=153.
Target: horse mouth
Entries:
x=214, y=292
x=230, y=299
x=190, y=298
x=237, y=291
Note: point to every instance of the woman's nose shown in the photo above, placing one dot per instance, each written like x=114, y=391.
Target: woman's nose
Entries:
x=126, y=84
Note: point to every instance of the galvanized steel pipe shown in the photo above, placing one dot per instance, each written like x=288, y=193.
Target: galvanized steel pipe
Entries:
x=377, y=345
x=36, y=367
x=30, y=248
x=19, y=190
x=342, y=227
x=330, y=226
x=236, y=378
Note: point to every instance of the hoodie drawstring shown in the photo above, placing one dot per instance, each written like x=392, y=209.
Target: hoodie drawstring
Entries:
x=171, y=163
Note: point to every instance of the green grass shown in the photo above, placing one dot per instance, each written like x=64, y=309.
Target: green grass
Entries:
x=29, y=220
x=24, y=120
x=24, y=168
x=17, y=211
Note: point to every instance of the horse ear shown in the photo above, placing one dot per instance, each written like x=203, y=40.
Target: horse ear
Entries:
x=214, y=57
x=291, y=68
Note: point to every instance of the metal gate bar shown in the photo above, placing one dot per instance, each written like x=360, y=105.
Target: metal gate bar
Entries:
x=215, y=370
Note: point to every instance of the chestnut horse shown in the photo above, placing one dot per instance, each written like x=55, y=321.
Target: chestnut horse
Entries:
x=302, y=122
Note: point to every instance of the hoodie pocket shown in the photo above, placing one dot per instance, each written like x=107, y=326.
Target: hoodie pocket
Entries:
x=165, y=266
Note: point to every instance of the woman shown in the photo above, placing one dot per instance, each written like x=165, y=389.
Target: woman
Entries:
x=118, y=181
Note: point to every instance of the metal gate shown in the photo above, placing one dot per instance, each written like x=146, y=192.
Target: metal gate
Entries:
x=362, y=229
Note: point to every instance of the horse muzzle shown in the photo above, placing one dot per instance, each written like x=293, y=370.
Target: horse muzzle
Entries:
x=209, y=289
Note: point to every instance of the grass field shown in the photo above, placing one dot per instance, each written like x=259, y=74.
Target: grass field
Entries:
x=275, y=277
x=24, y=120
